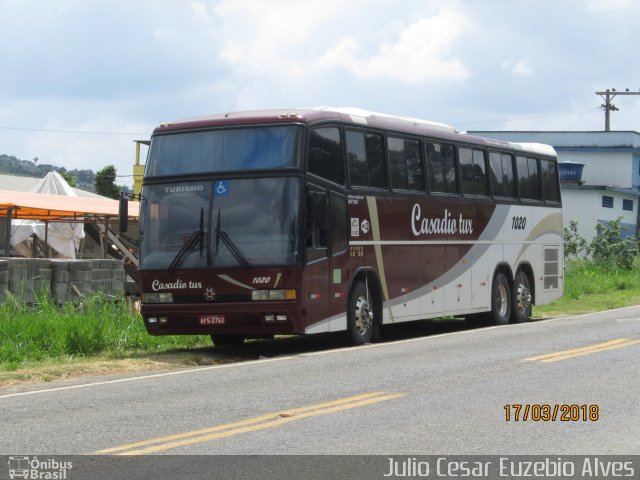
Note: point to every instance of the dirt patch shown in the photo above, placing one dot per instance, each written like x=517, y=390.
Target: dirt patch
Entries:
x=104, y=368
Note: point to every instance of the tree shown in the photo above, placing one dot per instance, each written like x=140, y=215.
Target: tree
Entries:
x=70, y=179
x=105, y=182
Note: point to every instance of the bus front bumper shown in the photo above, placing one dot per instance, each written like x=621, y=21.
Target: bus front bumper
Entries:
x=261, y=319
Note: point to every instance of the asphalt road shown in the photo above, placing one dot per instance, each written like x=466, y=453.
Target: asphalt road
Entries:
x=440, y=393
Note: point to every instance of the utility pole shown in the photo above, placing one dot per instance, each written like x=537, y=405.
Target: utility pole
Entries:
x=609, y=107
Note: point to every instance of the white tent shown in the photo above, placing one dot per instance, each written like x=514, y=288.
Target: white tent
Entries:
x=64, y=238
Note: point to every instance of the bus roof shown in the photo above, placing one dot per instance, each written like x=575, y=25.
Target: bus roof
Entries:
x=355, y=116
x=540, y=148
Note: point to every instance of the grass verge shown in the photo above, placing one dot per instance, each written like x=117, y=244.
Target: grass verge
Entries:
x=96, y=336
x=591, y=288
x=47, y=341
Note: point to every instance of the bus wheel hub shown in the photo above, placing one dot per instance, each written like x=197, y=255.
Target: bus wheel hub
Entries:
x=523, y=298
x=364, y=316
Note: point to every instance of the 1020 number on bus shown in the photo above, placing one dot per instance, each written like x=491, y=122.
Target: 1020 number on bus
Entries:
x=518, y=223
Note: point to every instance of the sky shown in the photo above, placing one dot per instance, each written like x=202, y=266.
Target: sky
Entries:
x=80, y=80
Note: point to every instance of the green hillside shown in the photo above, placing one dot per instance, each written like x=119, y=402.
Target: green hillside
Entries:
x=9, y=165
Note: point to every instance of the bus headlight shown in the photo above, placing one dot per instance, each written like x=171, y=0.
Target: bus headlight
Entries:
x=163, y=297
x=263, y=295
x=259, y=295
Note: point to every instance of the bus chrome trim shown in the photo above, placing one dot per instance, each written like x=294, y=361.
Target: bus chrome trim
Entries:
x=375, y=231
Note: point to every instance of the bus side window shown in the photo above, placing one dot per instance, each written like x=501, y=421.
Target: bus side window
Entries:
x=405, y=163
x=338, y=223
x=502, y=178
x=317, y=219
x=473, y=171
x=365, y=155
x=325, y=154
x=397, y=163
x=441, y=168
x=534, y=178
x=550, y=181
x=528, y=178
x=415, y=166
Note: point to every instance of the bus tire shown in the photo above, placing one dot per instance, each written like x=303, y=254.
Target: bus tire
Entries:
x=500, y=300
x=360, y=317
x=220, y=340
x=521, y=295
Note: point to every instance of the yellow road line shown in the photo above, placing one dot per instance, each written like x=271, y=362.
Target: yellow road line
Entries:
x=588, y=350
x=253, y=424
x=240, y=423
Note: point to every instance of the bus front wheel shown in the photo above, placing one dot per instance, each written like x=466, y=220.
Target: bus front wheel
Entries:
x=500, y=300
x=361, y=318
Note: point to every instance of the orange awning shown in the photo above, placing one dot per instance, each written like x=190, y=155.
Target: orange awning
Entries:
x=40, y=206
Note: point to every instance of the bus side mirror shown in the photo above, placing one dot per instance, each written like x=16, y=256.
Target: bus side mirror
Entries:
x=123, y=212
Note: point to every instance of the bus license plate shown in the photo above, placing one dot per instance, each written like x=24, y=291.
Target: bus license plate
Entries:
x=212, y=320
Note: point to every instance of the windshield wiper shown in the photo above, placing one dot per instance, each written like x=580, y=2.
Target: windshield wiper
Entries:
x=195, y=238
x=235, y=251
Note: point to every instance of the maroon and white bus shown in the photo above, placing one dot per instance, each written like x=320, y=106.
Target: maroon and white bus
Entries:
x=254, y=224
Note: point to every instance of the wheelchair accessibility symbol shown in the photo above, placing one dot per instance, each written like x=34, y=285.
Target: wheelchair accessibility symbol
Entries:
x=221, y=188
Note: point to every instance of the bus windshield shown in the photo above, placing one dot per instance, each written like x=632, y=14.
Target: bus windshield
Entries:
x=254, y=148
x=220, y=223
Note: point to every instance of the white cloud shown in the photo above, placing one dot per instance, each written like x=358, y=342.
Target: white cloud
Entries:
x=260, y=37
x=520, y=68
x=292, y=40
x=611, y=4
x=106, y=69
x=419, y=54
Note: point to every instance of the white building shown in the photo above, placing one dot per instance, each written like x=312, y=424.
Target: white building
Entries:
x=610, y=186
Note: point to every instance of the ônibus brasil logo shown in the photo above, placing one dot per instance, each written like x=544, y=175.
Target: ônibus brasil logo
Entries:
x=37, y=469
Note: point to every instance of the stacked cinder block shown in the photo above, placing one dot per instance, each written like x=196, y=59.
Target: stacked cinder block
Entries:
x=40, y=273
x=80, y=277
x=117, y=276
x=107, y=276
x=30, y=278
x=60, y=281
x=63, y=280
x=4, y=278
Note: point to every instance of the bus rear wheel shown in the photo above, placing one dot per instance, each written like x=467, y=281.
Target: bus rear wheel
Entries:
x=360, y=318
x=500, y=300
x=227, y=340
x=521, y=308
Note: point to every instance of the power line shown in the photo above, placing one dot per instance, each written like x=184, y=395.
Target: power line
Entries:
x=81, y=132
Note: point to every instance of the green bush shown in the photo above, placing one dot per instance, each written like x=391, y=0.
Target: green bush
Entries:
x=607, y=249
x=575, y=244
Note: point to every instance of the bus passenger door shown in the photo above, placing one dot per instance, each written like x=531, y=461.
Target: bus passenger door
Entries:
x=315, y=290
x=339, y=278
